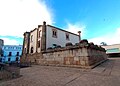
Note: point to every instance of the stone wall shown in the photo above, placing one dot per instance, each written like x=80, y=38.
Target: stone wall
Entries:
x=8, y=72
x=5, y=75
x=31, y=58
x=73, y=57
x=82, y=54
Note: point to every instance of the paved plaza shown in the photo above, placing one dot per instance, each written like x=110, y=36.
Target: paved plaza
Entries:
x=106, y=74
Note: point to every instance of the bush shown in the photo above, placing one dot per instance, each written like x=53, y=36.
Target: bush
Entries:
x=84, y=41
x=76, y=44
x=58, y=46
x=49, y=48
x=96, y=47
x=69, y=44
x=91, y=43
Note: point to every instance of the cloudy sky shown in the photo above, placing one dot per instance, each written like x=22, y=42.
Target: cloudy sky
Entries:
x=99, y=20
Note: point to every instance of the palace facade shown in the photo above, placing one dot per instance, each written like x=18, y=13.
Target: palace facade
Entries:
x=47, y=36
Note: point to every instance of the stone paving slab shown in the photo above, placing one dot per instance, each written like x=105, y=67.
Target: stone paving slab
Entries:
x=106, y=74
x=105, y=68
x=95, y=80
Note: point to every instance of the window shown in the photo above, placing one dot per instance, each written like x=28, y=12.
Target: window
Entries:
x=54, y=33
x=31, y=49
x=17, y=54
x=0, y=59
x=10, y=53
x=5, y=47
x=26, y=38
x=25, y=50
x=39, y=33
x=8, y=59
x=17, y=58
x=39, y=44
x=67, y=36
x=2, y=54
x=31, y=38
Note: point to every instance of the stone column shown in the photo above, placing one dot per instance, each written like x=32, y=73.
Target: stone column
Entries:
x=43, y=40
x=26, y=42
x=79, y=32
x=37, y=41
x=23, y=44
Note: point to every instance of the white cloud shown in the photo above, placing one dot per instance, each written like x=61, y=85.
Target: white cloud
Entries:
x=19, y=16
x=8, y=41
x=74, y=28
x=110, y=38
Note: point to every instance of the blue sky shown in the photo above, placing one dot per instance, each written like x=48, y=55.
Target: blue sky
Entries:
x=99, y=20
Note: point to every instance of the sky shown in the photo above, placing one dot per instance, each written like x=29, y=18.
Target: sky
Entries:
x=98, y=20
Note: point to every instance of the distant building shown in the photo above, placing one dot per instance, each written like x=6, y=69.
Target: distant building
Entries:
x=46, y=36
x=112, y=50
x=1, y=45
x=11, y=53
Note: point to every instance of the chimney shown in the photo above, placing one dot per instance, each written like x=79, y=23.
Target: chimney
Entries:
x=79, y=32
x=44, y=23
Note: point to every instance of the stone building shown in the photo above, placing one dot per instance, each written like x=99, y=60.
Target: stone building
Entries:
x=49, y=45
x=47, y=36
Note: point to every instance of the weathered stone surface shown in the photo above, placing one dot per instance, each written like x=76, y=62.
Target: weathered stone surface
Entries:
x=8, y=71
x=106, y=74
x=74, y=56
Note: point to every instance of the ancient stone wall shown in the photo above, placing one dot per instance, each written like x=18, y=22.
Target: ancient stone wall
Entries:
x=73, y=56
x=82, y=54
x=8, y=72
x=5, y=75
x=31, y=58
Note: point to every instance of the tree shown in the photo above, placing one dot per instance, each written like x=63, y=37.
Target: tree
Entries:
x=103, y=43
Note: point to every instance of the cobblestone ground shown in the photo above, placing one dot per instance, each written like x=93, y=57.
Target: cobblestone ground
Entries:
x=106, y=74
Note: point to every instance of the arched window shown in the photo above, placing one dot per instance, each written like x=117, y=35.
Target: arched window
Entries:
x=17, y=54
x=8, y=59
x=31, y=49
x=54, y=33
x=67, y=36
x=25, y=50
x=17, y=58
x=0, y=59
x=39, y=44
x=10, y=54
